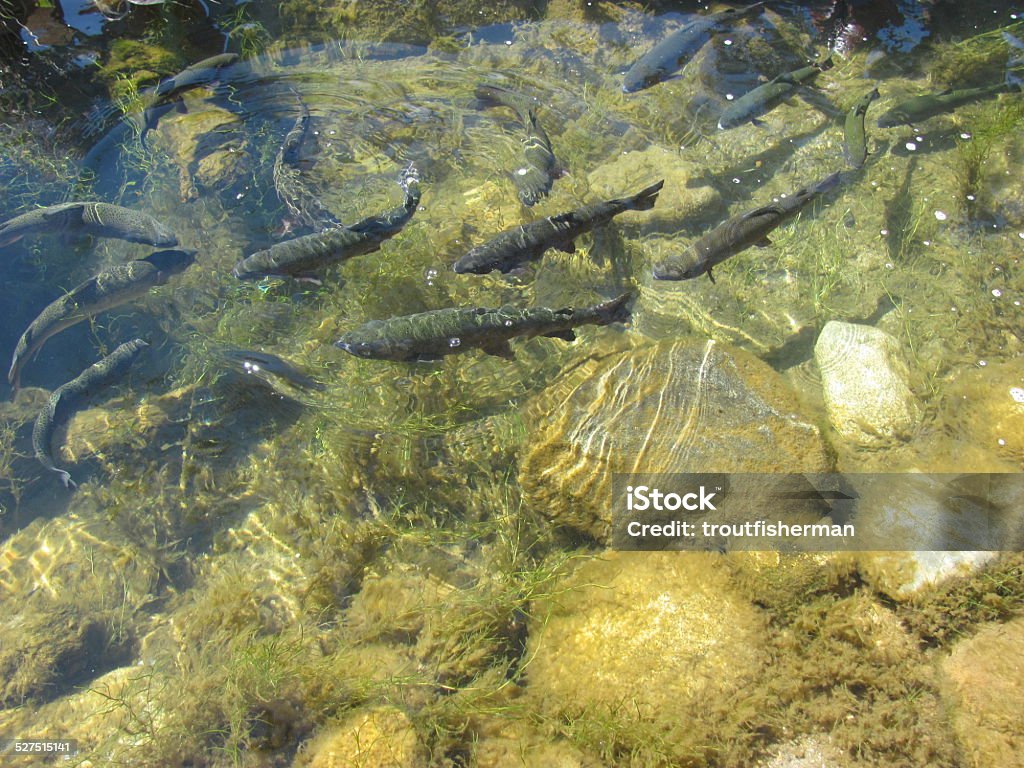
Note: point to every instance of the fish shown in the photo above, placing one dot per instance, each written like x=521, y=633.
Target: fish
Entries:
x=535, y=177
x=737, y=234
x=280, y=375
x=764, y=98
x=195, y=75
x=100, y=219
x=919, y=108
x=855, y=147
x=70, y=396
x=300, y=256
x=303, y=206
x=675, y=51
x=431, y=335
x=110, y=288
x=528, y=242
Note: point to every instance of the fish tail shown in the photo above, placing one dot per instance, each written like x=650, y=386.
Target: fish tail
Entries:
x=496, y=95
x=644, y=199
x=825, y=64
x=616, y=310
x=828, y=183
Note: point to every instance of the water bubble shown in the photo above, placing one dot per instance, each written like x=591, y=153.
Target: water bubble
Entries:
x=941, y=216
x=1001, y=441
x=522, y=171
x=508, y=42
x=971, y=198
x=927, y=242
x=729, y=97
x=996, y=292
x=1017, y=394
x=965, y=136
x=889, y=265
x=883, y=232
x=911, y=146
x=727, y=42
x=735, y=181
x=508, y=323
x=454, y=342
x=982, y=363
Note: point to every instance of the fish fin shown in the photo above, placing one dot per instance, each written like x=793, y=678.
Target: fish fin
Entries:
x=308, y=278
x=764, y=242
x=569, y=247
x=500, y=349
x=10, y=239
x=567, y=335
x=710, y=276
x=62, y=211
x=758, y=123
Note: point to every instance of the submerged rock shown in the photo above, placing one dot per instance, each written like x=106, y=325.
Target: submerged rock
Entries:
x=864, y=378
x=985, y=691
x=648, y=639
x=669, y=407
x=986, y=406
x=207, y=147
x=382, y=737
x=678, y=204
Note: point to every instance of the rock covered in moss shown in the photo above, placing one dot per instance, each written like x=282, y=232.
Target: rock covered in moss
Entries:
x=658, y=638
x=865, y=381
x=206, y=146
x=381, y=737
x=986, y=406
x=678, y=203
x=984, y=687
x=669, y=407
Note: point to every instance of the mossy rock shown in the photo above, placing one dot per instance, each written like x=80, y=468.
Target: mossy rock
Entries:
x=381, y=737
x=984, y=687
x=132, y=56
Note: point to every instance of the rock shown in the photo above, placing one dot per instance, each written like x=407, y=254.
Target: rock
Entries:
x=984, y=687
x=656, y=640
x=516, y=745
x=864, y=378
x=668, y=407
x=381, y=737
x=806, y=752
x=986, y=407
x=208, y=148
x=678, y=204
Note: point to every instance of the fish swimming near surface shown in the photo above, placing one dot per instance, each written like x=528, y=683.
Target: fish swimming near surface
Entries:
x=432, y=335
x=69, y=397
x=535, y=177
x=301, y=256
x=110, y=288
x=528, y=242
x=304, y=207
x=764, y=98
x=737, y=234
x=100, y=219
x=855, y=147
x=920, y=108
x=281, y=376
x=201, y=73
x=672, y=53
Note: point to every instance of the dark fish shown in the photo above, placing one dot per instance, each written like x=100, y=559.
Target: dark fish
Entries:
x=765, y=98
x=432, y=335
x=200, y=73
x=68, y=397
x=855, y=146
x=280, y=375
x=919, y=108
x=301, y=256
x=528, y=242
x=737, y=234
x=101, y=219
x=110, y=288
x=675, y=51
x=534, y=179
x=303, y=206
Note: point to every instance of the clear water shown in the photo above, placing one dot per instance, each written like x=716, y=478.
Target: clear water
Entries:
x=246, y=560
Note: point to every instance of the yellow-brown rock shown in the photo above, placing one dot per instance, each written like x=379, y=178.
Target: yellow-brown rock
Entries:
x=381, y=737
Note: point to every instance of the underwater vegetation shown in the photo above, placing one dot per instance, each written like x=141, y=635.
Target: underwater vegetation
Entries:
x=283, y=554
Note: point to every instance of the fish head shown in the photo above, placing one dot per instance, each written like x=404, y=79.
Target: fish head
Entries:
x=679, y=269
x=639, y=79
x=367, y=349
x=892, y=118
x=473, y=263
x=174, y=261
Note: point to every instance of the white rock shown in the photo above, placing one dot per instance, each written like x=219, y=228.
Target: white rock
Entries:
x=864, y=378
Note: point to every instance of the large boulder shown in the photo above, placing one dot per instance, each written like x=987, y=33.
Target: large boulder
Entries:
x=672, y=407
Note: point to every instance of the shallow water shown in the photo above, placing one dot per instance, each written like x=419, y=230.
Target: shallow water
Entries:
x=238, y=539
